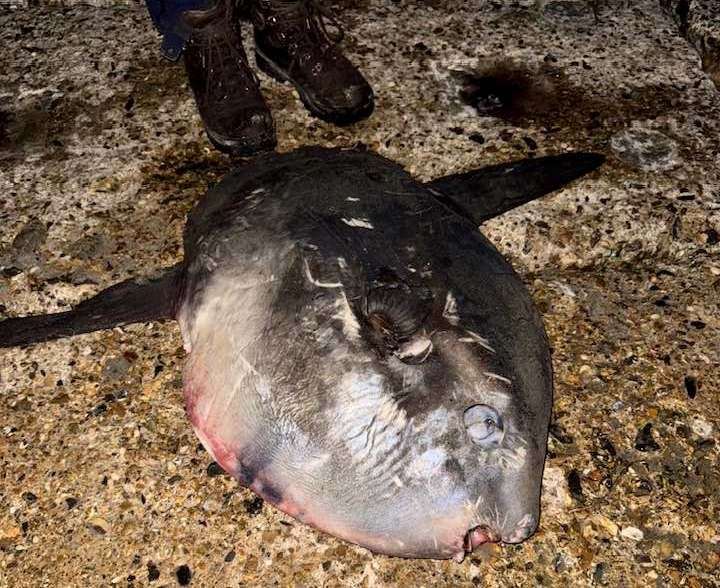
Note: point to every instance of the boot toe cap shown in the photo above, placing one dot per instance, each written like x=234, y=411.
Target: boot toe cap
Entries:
x=247, y=133
x=348, y=104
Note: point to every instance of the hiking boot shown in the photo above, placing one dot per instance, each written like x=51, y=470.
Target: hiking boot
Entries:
x=293, y=44
x=236, y=117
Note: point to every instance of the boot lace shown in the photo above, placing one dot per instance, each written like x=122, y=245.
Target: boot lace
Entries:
x=304, y=23
x=224, y=51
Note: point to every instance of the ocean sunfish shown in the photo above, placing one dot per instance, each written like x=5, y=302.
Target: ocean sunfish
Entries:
x=359, y=354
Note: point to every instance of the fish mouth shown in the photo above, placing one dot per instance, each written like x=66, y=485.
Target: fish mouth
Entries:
x=474, y=538
x=482, y=534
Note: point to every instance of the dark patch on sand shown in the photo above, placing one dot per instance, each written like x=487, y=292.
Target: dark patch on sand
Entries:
x=526, y=97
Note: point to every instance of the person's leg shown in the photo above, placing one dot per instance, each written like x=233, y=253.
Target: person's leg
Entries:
x=292, y=43
x=167, y=18
x=207, y=34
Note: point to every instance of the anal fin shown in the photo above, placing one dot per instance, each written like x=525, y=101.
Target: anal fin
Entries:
x=132, y=301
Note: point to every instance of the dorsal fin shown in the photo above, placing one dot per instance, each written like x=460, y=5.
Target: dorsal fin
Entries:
x=488, y=192
x=131, y=301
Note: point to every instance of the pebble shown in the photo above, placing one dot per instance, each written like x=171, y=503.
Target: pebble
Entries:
x=153, y=572
x=644, y=441
x=9, y=533
x=598, y=523
x=575, y=485
x=116, y=368
x=89, y=247
x=645, y=149
x=23, y=253
x=599, y=572
x=98, y=524
x=555, y=495
x=31, y=237
x=184, y=575
x=632, y=533
x=253, y=506
x=211, y=505
x=214, y=470
x=29, y=497
x=560, y=433
x=701, y=427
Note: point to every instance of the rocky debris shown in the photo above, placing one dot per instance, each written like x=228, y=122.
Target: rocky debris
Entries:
x=632, y=533
x=183, y=575
x=89, y=247
x=116, y=368
x=153, y=573
x=213, y=469
x=9, y=534
x=699, y=23
x=25, y=251
x=98, y=525
x=702, y=427
x=644, y=441
x=556, y=495
x=253, y=506
x=645, y=149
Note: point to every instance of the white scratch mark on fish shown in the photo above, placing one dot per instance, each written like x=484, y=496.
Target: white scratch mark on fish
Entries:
x=247, y=364
x=495, y=376
x=351, y=199
x=361, y=223
x=318, y=283
x=450, y=311
x=351, y=326
x=398, y=482
x=475, y=338
x=420, y=348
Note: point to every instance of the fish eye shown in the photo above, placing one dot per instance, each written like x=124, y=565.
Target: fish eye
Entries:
x=484, y=425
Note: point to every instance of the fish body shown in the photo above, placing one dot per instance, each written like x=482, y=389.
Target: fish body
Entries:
x=359, y=354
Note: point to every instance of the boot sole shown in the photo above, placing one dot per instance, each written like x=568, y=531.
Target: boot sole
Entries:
x=339, y=118
x=240, y=149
